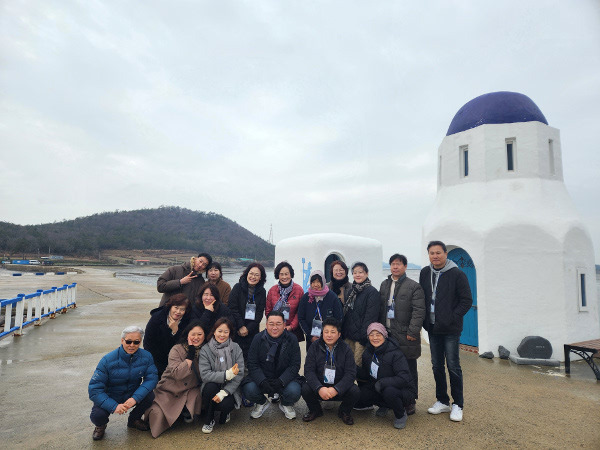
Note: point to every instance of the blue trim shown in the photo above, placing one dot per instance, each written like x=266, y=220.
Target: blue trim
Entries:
x=495, y=108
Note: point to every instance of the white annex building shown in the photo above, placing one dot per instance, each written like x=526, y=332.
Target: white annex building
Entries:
x=504, y=212
x=317, y=252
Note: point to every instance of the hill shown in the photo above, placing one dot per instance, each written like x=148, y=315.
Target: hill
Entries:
x=167, y=227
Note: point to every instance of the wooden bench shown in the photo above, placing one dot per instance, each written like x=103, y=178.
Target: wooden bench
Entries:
x=587, y=350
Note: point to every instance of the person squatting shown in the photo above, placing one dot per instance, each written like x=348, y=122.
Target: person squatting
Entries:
x=205, y=356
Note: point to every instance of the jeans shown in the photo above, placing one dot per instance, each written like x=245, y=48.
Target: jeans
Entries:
x=348, y=399
x=444, y=350
x=100, y=416
x=289, y=395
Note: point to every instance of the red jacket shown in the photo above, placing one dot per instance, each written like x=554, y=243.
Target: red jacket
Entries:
x=293, y=300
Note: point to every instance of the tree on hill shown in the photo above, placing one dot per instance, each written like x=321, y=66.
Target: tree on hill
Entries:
x=167, y=227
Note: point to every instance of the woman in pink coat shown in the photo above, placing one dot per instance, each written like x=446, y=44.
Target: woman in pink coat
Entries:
x=284, y=297
x=178, y=391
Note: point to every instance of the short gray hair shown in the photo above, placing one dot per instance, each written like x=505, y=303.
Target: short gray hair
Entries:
x=132, y=329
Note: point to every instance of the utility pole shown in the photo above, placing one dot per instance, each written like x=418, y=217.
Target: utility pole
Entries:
x=271, y=235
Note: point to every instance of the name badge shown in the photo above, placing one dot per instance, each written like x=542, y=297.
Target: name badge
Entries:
x=317, y=326
x=286, y=312
x=390, y=311
x=250, y=311
x=329, y=377
x=374, y=369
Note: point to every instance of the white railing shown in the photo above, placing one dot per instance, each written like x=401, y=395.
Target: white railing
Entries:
x=32, y=308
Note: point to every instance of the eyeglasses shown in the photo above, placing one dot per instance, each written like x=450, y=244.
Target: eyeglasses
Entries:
x=128, y=342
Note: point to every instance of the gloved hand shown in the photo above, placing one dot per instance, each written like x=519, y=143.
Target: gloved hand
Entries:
x=191, y=353
x=266, y=388
x=222, y=394
x=229, y=375
x=276, y=385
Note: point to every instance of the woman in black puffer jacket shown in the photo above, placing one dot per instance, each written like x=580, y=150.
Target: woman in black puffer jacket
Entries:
x=387, y=381
x=247, y=305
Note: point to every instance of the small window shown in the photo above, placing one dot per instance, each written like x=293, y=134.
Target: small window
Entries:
x=510, y=154
x=582, y=290
x=464, y=160
x=551, y=156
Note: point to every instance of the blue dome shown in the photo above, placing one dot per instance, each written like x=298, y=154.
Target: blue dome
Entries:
x=496, y=107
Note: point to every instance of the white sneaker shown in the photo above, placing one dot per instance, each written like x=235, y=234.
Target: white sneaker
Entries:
x=289, y=411
x=456, y=414
x=438, y=408
x=208, y=427
x=259, y=409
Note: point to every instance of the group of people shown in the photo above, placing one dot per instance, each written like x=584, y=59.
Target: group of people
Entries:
x=205, y=355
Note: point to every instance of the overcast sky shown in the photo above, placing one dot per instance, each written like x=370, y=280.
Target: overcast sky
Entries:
x=312, y=116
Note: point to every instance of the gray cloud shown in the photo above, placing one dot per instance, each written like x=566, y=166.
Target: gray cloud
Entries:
x=312, y=116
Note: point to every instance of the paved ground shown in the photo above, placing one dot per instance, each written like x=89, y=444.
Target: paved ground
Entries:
x=44, y=376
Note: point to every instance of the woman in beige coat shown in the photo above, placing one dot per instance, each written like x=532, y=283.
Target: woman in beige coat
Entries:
x=178, y=391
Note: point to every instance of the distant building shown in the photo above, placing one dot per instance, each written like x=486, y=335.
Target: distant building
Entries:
x=503, y=210
x=318, y=251
x=141, y=262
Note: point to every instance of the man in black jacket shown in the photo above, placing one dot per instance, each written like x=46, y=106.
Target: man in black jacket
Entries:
x=330, y=372
x=273, y=365
x=448, y=298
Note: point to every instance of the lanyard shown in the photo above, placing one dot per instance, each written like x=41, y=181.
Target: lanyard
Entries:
x=251, y=302
x=375, y=360
x=434, y=286
x=319, y=312
x=330, y=356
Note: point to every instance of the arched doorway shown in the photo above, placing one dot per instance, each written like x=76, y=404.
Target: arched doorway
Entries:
x=328, y=261
x=465, y=263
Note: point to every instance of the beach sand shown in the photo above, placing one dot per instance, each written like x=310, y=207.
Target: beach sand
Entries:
x=44, y=403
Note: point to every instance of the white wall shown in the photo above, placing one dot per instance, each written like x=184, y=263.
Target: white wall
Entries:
x=523, y=233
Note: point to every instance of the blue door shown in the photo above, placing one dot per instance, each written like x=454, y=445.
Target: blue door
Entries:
x=465, y=263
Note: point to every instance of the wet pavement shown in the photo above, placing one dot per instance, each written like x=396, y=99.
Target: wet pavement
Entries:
x=44, y=376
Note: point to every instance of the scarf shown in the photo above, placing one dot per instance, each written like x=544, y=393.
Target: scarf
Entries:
x=312, y=293
x=222, y=352
x=284, y=292
x=274, y=344
x=336, y=285
x=357, y=288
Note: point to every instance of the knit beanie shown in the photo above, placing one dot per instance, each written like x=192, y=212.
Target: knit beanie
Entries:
x=376, y=326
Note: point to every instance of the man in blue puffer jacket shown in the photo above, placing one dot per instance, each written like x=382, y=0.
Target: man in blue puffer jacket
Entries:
x=123, y=379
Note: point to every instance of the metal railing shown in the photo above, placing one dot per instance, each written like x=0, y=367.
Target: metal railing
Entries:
x=32, y=308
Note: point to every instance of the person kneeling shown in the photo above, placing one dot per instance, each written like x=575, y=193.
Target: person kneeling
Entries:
x=123, y=379
x=330, y=371
x=273, y=365
x=221, y=369
x=389, y=383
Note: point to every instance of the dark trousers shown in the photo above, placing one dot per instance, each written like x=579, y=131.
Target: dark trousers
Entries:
x=348, y=398
x=444, y=350
x=100, y=416
x=391, y=397
x=412, y=366
x=225, y=406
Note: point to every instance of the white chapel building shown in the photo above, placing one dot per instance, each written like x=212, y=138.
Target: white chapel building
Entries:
x=503, y=210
